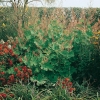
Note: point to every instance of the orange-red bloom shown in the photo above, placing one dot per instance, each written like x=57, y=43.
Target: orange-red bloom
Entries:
x=5, y=50
x=71, y=90
x=10, y=62
x=70, y=84
x=24, y=69
x=15, y=69
x=2, y=73
x=3, y=95
x=11, y=95
x=11, y=78
x=66, y=79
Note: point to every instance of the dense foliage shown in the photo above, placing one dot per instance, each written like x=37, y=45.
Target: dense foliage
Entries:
x=48, y=53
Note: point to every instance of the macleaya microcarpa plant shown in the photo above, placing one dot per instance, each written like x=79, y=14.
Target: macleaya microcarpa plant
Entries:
x=48, y=53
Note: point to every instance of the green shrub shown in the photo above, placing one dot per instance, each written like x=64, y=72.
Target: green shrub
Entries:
x=48, y=54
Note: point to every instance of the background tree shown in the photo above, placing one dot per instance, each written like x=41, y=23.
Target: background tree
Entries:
x=17, y=12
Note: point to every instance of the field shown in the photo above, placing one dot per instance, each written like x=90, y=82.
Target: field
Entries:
x=49, y=53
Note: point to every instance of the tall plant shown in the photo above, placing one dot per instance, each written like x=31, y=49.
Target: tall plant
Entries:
x=83, y=53
x=48, y=54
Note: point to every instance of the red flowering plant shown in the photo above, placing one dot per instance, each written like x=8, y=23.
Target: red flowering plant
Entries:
x=9, y=73
x=67, y=85
x=3, y=96
x=6, y=93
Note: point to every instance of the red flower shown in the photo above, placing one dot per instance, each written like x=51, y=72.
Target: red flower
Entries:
x=26, y=75
x=18, y=73
x=71, y=90
x=3, y=95
x=16, y=56
x=29, y=71
x=12, y=54
x=13, y=46
x=15, y=69
x=10, y=51
x=11, y=77
x=6, y=50
x=2, y=73
x=66, y=79
x=1, y=53
x=12, y=95
x=22, y=75
x=24, y=69
x=10, y=62
x=70, y=84
x=63, y=82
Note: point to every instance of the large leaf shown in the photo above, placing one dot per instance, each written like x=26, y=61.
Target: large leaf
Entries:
x=47, y=66
x=27, y=34
x=51, y=76
x=11, y=70
x=39, y=78
x=89, y=33
x=34, y=61
x=64, y=53
x=67, y=54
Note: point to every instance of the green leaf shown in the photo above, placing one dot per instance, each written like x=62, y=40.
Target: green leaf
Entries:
x=67, y=54
x=47, y=66
x=27, y=34
x=64, y=53
x=39, y=78
x=51, y=76
x=55, y=47
x=70, y=54
x=89, y=33
x=76, y=40
x=34, y=61
x=10, y=70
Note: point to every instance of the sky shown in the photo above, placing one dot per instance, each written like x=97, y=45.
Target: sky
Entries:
x=69, y=3
x=66, y=3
